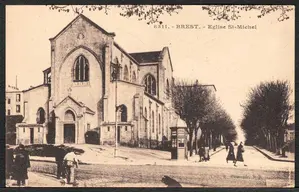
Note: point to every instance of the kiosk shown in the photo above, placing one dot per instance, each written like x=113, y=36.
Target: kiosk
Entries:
x=179, y=139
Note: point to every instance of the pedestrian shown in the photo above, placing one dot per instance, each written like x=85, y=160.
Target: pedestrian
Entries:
x=226, y=146
x=22, y=163
x=207, y=153
x=60, y=153
x=70, y=161
x=240, y=152
x=9, y=162
x=214, y=143
x=231, y=154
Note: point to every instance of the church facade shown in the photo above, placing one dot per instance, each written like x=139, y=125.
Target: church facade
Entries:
x=91, y=84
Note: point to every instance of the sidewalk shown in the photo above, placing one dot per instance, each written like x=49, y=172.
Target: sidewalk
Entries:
x=272, y=156
x=38, y=180
x=96, y=154
x=46, y=180
x=195, y=157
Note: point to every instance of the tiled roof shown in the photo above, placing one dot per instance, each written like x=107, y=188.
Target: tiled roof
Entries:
x=147, y=57
x=47, y=70
x=31, y=87
x=10, y=88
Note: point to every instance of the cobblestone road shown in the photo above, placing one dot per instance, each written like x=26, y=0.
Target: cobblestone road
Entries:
x=260, y=172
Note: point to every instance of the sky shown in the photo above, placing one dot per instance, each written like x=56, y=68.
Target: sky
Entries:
x=233, y=60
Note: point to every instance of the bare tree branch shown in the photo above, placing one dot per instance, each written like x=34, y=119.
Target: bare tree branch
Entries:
x=152, y=13
x=233, y=12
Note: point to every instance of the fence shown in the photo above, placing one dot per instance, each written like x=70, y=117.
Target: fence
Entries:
x=155, y=144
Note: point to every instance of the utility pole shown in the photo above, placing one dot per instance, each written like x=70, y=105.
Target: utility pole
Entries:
x=115, y=149
x=115, y=76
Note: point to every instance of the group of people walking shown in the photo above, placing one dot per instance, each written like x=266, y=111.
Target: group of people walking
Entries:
x=18, y=162
x=231, y=153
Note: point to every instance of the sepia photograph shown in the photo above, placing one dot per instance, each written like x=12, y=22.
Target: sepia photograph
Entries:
x=150, y=96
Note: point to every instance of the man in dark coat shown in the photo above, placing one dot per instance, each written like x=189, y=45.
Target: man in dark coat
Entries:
x=60, y=153
x=9, y=161
x=22, y=163
x=226, y=145
x=201, y=153
x=240, y=152
x=231, y=154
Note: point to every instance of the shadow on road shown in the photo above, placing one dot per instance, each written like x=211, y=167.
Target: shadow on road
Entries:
x=170, y=182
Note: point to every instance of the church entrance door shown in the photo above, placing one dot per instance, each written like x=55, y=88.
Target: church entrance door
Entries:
x=69, y=133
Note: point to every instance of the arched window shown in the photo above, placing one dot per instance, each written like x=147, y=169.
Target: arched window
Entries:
x=126, y=73
x=167, y=88
x=153, y=118
x=81, y=69
x=150, y=84
x=86, y=74
x=40, y=119
x=69, y=116
x=123, y=113
x=159, y=123
x=134, y=77
x=145, y=122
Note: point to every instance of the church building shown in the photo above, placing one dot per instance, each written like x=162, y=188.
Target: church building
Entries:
x=91, y=84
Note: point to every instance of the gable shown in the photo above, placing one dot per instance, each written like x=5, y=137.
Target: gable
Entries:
x=81, y=16
x=76, y=105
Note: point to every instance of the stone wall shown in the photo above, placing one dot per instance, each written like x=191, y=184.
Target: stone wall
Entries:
x=34, y=99
x=23, y=132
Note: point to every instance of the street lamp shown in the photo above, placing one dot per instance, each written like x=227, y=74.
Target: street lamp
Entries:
x=115, y=77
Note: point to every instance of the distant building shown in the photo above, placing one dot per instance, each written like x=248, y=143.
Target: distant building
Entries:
x=78, y=93
x=13, y=101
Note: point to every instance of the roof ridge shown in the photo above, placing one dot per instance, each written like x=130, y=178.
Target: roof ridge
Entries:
x=145, y=52
x=88, y=20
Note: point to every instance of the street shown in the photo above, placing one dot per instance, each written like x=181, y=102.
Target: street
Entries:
x=259, y=172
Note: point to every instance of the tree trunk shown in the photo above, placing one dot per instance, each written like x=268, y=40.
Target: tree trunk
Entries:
x=280, y=141
x=204, y=138
x=270, y=142
x=275, y=144
x=211, y=140
x=191, y=142
x=277, y=148
x=196, y=141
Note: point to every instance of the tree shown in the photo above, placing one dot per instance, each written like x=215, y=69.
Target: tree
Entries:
x=151, y=13
x=266, y=113
x=192, y=103
x=220, y=123
x=232, y=12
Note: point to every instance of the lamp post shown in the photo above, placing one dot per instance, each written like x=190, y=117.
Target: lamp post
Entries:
x=115, y=76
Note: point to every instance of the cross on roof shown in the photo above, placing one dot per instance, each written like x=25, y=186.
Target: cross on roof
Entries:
x=69, y=90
